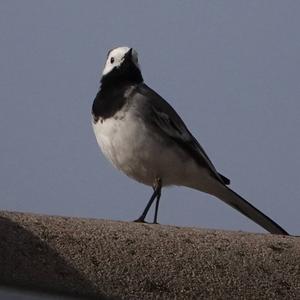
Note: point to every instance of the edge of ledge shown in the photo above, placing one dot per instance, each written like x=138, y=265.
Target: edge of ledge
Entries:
x=104, y=259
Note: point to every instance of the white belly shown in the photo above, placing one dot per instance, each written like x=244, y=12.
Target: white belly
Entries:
x=131, y=148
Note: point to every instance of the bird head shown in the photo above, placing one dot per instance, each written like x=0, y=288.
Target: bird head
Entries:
x=122, y=65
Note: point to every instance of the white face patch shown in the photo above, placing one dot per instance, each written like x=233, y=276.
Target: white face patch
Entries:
x=116, y=57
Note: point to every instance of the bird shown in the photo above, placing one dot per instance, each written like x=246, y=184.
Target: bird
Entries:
x=143, y=136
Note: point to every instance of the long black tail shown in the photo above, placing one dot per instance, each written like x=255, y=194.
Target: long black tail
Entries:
x=230, y=197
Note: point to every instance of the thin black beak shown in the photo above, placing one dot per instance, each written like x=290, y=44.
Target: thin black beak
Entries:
x=128, y=55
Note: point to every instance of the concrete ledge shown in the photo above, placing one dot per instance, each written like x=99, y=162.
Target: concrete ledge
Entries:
x=105, y=259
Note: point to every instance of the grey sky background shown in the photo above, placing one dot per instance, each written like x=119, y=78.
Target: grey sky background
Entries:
x=230, y=69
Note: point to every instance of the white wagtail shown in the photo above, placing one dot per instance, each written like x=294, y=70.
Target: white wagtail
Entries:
x=143, y=136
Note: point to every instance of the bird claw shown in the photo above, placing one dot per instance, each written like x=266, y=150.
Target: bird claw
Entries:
x=140, y=221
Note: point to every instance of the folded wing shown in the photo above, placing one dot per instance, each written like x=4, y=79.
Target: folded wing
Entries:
x=165, y=118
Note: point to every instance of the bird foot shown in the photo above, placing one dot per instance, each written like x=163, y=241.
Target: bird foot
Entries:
x=140, y=221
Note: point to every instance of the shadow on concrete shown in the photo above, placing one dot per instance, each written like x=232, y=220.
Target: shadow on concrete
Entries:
x=27, y=262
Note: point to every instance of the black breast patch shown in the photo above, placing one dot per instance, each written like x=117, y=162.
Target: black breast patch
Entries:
x=108, y=103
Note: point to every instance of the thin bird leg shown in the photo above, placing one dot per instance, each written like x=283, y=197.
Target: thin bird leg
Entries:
x=143, y=215
x=157, y=189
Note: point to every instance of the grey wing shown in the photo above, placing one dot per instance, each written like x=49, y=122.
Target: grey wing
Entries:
x=168, y=122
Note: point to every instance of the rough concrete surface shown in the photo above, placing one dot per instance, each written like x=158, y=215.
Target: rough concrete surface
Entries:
x=103, y=259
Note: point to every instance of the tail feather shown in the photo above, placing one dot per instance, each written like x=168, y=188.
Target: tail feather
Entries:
x=225, y=179
x=234, y=200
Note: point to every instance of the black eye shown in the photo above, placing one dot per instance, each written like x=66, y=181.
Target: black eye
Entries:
x=112, y=60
